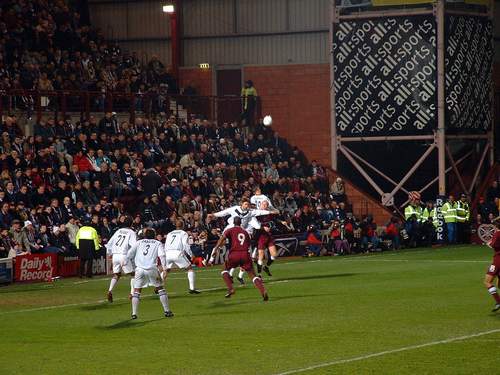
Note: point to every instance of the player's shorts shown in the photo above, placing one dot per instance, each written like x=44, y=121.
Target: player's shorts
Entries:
x=121, y=264
x=265, y=240
x=144, y=278
x=494, y=268
x=239, y=259
x=177, y=258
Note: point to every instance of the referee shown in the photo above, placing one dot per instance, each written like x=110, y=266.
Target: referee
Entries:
x=87, y=242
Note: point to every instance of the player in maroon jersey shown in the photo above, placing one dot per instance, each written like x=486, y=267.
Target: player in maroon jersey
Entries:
x=265, y=240
x=494, y=269
x=239, y=256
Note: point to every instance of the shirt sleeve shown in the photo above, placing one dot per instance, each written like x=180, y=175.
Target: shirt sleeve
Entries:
x=109, y=245
x=132, y=239
x=77, y=239
x=260, y=213
x=223, y=213
x=161, y=255
x=131, y=252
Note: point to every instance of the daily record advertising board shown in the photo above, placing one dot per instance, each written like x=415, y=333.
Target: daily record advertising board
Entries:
x=469, y=68
x=385, y=76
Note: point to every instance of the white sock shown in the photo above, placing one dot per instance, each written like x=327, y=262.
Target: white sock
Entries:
x=273, y=258
x=112, y=283
x=132, y=285
x=231, y=272
x=260, y=262
x=135, y=302
x=191, y=278
x=164, y=300
x=492, y=290
x=241, y=274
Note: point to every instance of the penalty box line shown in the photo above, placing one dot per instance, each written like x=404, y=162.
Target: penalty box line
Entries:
x=387, y=352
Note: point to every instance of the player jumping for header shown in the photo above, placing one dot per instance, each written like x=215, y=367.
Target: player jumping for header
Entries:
x=248, y=219
x=494, y=269
x=118, y=246
x=145, y=254
x=239, y=256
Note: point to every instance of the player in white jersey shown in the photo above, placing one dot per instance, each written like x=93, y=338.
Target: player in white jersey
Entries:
x=118, y=246
x=247, y=215
x=178, y=253
x=249, y=222
x=257, y=199
x=145, y=254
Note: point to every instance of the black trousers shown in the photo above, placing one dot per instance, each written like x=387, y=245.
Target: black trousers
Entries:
x=86, y=254
x=463, y=233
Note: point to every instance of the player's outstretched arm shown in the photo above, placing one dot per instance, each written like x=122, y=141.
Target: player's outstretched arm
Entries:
x=215, y=251
x=222, y=213
x=265, y=212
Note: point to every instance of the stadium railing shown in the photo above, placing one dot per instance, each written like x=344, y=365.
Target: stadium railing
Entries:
x=59, y=104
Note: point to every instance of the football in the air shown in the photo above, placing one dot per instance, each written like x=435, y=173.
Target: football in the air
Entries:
x=268, y=120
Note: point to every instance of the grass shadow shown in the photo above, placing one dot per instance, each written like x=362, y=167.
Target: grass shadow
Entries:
x=129, y=323
x=101, y=306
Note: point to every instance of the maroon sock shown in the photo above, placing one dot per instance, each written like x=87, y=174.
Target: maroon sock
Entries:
x=227, y=280
x=259, y=284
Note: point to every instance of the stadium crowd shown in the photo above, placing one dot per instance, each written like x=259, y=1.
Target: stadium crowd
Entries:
x=45, y=45
x=91, y=172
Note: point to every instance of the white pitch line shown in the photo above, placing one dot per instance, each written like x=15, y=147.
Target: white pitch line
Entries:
x=386, y=352
x=416, y=260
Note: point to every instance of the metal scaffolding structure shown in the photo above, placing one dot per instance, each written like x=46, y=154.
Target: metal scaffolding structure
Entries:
x=439, y=141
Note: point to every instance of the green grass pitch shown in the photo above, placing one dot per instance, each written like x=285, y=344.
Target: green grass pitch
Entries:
x=422, y=311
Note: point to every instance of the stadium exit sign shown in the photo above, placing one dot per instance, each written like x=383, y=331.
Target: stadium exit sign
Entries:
x=204, y=65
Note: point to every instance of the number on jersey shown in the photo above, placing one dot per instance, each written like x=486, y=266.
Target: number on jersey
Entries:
x=241, y=238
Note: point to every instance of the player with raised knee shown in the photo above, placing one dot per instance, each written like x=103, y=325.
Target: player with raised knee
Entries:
x=494, y=268
x=239, y=256
x=248, y=218
x=178, y=253
x=145, y=254
x=118, y=246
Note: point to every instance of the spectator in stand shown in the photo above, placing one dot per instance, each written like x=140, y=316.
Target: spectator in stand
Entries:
x=493, y=192
x=337, y=190
x=485, y=208
x=392, y=230
x=369, y=238
x=340, y=244
x=249, y=97
x=314, y=241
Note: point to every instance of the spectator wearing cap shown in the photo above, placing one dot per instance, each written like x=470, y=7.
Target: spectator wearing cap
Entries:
x=19, y=236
